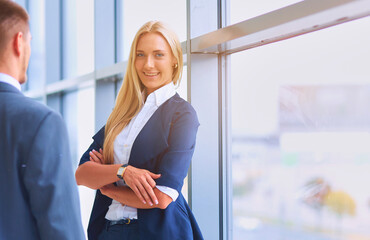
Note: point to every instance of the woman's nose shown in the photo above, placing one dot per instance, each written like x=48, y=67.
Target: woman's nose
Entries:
x=149, y=63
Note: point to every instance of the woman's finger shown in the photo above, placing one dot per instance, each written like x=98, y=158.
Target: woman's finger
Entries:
x=150, y=180
x=149, y=190
x=138, y=194
x=94, y=157
x=91, y=159
x=98, y=154
x=144, y=193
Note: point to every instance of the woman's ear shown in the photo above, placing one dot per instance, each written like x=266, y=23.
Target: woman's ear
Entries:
x=174, y=62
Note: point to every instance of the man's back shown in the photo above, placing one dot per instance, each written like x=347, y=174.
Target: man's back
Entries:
x=38, y=194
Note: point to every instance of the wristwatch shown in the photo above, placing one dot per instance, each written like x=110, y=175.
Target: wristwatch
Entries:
x=121, y=171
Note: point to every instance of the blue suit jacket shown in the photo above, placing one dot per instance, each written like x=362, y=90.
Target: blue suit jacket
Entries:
x=165, y=145
x=39, y=198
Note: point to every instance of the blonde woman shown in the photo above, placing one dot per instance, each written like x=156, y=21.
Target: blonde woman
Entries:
x=148, y=144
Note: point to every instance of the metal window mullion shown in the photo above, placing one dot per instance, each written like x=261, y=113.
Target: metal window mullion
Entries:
x=188, y=69
x=204, y=196
x=224, y=166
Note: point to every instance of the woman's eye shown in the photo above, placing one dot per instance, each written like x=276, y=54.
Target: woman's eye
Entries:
x=159, y=55
x=139, y=55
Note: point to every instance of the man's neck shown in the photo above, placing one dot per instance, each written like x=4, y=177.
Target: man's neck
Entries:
x=6, y=68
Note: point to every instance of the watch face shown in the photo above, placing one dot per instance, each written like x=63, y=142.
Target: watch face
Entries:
x=119, y=172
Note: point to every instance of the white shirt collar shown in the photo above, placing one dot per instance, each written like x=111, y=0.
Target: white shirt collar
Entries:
x=162, y=94
x=10, y=80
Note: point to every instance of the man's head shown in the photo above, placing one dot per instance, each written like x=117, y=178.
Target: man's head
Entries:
x=15, y=37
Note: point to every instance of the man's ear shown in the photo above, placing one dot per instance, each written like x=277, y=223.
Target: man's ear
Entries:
x=18, y=42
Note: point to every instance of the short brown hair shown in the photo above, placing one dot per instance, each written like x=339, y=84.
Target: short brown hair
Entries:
x=13, y=19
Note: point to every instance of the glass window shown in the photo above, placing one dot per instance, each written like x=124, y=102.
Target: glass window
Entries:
x=54, y=102
x=36, y=69
x=78, y=38
x=242, y=10
x=78, y=112
x=183, y=87
x=300, y=137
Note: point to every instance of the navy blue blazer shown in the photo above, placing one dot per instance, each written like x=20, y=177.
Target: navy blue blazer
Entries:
x=165, y=145
x=39, y=197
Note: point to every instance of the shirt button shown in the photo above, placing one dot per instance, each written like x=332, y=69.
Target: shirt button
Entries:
x=126, y=145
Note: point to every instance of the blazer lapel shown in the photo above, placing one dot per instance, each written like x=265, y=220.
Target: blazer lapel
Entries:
x=152, y=139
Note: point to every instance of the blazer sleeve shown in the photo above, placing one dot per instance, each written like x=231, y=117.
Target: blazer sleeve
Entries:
x=174, y=164
x=96, y=145
x=50, y=183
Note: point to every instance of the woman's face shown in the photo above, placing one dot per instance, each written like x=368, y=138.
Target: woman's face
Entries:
x=154, y=61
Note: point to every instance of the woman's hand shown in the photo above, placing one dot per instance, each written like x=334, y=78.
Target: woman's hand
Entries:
x=142, y=183
x=96, y=156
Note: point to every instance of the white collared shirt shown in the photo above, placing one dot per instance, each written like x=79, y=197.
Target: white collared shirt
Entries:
x=123, y=144
x=10, y=80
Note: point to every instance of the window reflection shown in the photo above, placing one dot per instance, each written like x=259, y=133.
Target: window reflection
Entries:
x=300, y=137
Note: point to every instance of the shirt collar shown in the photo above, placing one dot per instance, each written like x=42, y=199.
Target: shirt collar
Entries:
x=162, y=94
x=10, y=80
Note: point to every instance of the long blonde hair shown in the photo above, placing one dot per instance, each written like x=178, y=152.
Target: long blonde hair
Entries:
x=129, y=99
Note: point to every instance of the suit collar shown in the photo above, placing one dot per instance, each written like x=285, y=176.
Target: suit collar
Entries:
x=10, y=80
x=5, y=87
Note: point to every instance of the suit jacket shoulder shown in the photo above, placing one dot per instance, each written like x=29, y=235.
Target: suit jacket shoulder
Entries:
x=35, y=160
x=21, y=117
